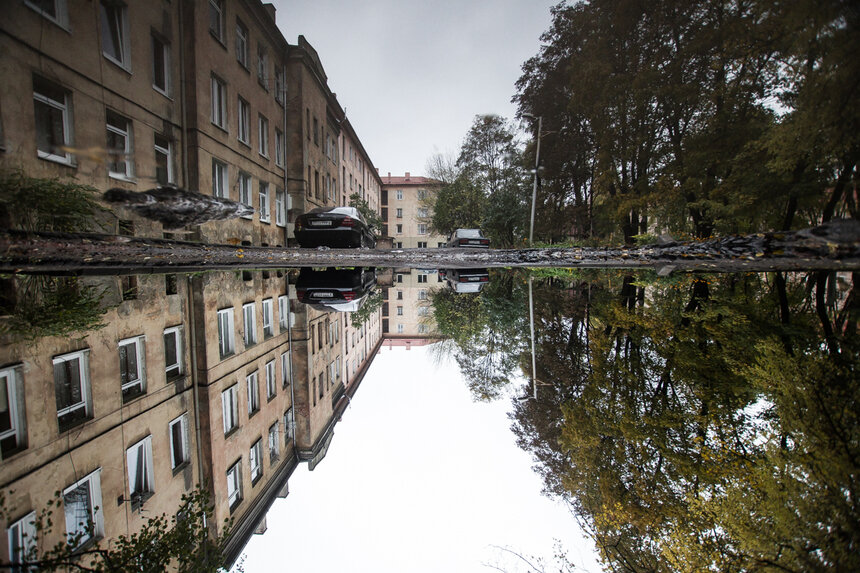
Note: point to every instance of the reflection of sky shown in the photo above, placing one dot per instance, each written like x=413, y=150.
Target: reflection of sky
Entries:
x=418, y=478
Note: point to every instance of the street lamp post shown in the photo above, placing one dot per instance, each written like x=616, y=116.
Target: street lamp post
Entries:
x=534, y=186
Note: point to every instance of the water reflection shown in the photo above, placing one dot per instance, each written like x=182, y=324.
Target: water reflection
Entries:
x=703, y=420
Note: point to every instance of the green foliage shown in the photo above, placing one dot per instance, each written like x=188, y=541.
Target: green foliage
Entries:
x=180, y=542
x=52, y=306
x=458, y=205
x=34, y=204
x=372, y=218
x=370, y=306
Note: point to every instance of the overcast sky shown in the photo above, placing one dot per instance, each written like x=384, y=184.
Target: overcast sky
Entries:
x=412, y=75
x=418, y=478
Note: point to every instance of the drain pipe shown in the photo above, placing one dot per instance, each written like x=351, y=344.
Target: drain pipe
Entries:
x=192, y=335
x=286, y=275
x=182, y=102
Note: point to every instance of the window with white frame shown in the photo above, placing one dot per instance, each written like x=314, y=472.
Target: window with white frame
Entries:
x=255, y=461
x=399, y=329
x=234, y=484
x=268, y=319
x=245, y=192
x=399, y=229
x=279, y=147
x=22, y=541
x=115, y=36
x=57, y=11
x=285, y=369
x=283, y=310
x=423, y=311
x=132, y=372
x=422, y=329
x=161, y=65
x=280, y=207
x=12, y=420
x=82, y=502
x=253, y=393
x=422, y=294
x=72, y=388
x=220, y=185
x=288, y=425
x=399, y=195
x=163, y=160
x=422, y=229
x=230, y=408
x=139, y=465
x=174, y=363
x=226, y=342
x=274, y=443
x=250, y=323
x=422, y=212
x=265, y=216
x=119, y=145
x=399, y=213
x=180, y=452
x=422, y=278
x=242, y=43
x=263, y=135
x=219, y=103
x=263, y=66
x=216, y=19
x=244, y=113
x=271, y=383
x=399, y=311
x=53, y=112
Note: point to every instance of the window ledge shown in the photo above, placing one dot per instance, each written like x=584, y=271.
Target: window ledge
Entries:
x=254, y=413
x=181, y=467
x=118, y=64
x=232, y=431
x=121, y=177
x=255, y=481
x=58, y=159
x=217, y=38
x=272, y=397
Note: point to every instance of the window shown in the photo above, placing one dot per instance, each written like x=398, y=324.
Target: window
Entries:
x=72, y=388
x=219, y=103
x=441, y=244
x=255, y=460
x=283, y=311
x=268, y=319
x=422, y=329
x=173, y=358
x=160, y=65
x=265, y=216
x=422, y=245
x=216, y=19
x=399, y=229
x=271, y=384
x=422, y=278
x=263, y=127
x=274, y=443
x=163, y=160
x=280, y=86
x=220, y=186
x=399, y=213
x=180, y=452
x=400, y=292
x=399, y=195
x=423, y=311
x=230, y=408
x=139, y=463
x=53, y=120
x=12, y=422
x=316, y=132
x=280, y=207
x=114, y=24
x=399, y=311
x=279, y=147
x=399, y=329
x=82, y=504
x=131, y=367
x=398, y=245
x=422, y=229
x=253, y=393
x=250, y=323
x=288, y=425
x=226, y=344
x=56, y=11
x=245, y=192
x=422, y=212
x=244, y=134
x=242, y=44
x=285, y=369
x=234, y=484
x=422, y=294
x=119, y=145
x=22, y=541
x=263, y=66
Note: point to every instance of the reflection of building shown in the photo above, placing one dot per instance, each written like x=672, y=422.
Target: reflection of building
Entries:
x=212, y=100
x=407, y=309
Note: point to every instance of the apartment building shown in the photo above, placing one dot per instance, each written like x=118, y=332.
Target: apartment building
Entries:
x=407, y=309
x=205, y=95
x=406, y=211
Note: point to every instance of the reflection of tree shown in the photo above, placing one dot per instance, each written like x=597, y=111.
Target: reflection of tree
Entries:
x=714, y=426
x=487, y=332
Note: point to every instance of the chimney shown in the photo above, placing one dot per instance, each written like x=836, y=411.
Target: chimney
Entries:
x=270, y=8
x=407, y=175
x=389, y=174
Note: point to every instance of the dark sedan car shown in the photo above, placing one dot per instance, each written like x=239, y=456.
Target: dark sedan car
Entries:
x=466, y=280
x=342, y=290
x=338, y=227
x=472, y=238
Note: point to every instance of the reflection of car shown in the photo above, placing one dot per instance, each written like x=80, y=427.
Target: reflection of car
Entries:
x=333, y=227
x=466, y=280
x=342, y=290
x=472, y=238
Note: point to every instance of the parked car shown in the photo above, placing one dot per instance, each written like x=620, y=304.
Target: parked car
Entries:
x=341, y=290
x=472, y=238
x=465, y=280
x=339, y=227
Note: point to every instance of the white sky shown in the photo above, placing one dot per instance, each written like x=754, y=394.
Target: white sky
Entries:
x=418, y=478
x=412, y=75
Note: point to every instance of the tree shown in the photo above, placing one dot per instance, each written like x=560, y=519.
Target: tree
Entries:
x=374, y=221
x=458, y=205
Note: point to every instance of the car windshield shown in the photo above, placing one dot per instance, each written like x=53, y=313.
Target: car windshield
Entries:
x=469, y=233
